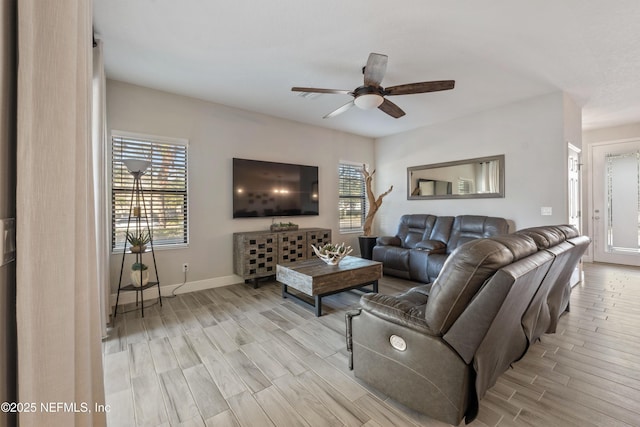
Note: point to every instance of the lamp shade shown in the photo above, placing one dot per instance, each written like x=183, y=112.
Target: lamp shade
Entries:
x=136, y=165
x=368, y=101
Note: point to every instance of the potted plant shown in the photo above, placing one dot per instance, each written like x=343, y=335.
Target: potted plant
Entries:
x=138, y=241
x=139, y=274
x=367, y=241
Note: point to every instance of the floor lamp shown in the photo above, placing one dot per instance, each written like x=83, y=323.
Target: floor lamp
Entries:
x=138, y=212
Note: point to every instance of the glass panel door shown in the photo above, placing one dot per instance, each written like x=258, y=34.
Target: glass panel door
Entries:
x=622, y=203
x=616, y=202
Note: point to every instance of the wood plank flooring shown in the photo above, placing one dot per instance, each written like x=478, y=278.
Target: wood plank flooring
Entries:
x=238, y=356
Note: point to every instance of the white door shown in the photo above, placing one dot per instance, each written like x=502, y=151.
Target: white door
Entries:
x=616, y=189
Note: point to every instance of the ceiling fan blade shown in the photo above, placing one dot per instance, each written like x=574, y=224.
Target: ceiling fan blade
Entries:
x=316, y=90
x=391, y=109
x=375, y=69
x=420, y=87
x=340, y=110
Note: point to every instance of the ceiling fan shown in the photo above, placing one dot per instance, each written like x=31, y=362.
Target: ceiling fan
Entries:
x=372, y=95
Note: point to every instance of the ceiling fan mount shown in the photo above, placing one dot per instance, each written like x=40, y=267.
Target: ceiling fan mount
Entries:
x=373, y=95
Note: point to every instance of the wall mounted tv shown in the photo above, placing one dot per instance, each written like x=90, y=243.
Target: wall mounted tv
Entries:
x=268, y=189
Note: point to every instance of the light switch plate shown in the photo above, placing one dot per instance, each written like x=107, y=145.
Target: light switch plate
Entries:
x=7, y=240
x=546, y=210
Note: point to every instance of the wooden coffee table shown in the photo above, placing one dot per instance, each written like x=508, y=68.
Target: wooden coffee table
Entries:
x=317, y=279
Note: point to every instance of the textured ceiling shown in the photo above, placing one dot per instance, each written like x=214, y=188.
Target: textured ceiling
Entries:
x=248, y=54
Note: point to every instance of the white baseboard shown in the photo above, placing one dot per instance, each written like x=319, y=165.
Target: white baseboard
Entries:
x=198, y=285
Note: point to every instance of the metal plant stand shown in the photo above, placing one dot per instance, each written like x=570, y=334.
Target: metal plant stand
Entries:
x=138, y=215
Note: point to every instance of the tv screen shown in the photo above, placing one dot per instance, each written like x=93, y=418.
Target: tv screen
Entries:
x=266, y=189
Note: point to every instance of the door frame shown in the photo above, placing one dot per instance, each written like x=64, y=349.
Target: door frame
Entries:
x=580, y=189
x=577, y=275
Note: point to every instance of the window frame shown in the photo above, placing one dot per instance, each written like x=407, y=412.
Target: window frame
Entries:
x=363, y=197
x=116, y=247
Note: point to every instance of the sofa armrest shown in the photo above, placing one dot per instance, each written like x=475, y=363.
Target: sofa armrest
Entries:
x=433, y=246
x=389, y=241
x=405, y=310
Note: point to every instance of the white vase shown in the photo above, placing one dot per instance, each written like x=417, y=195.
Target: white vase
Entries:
x=135, y=278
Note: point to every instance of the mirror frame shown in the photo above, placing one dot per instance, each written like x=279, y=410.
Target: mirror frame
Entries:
x=499, y=194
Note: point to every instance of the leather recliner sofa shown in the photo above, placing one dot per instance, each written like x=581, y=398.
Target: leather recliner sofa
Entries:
x=438, y=347
x=423, y=243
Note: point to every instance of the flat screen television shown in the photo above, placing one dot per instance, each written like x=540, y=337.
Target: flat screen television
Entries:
x=269, y=189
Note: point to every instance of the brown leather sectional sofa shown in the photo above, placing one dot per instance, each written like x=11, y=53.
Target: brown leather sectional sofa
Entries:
x=438, y=347
x=423, y=243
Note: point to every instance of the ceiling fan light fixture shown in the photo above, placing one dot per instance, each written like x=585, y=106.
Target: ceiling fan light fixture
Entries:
x=368, y=101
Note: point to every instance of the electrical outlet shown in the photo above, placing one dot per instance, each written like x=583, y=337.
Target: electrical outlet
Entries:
x=185, y=267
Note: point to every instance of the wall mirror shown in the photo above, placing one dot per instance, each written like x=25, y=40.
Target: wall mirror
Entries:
x=482, y=177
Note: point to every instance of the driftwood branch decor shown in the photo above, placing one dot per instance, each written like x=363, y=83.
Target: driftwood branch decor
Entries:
x=374, y=203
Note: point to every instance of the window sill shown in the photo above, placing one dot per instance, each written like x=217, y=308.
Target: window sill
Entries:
x=350, y=232
x=155, y=248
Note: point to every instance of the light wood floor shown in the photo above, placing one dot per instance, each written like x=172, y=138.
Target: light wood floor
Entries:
x=236, y=356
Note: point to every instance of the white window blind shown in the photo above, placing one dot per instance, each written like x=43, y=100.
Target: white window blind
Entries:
x=352, y=197
x=465, y=186
x=164, y=187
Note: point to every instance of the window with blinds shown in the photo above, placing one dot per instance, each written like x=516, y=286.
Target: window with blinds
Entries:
x=164, y=187
x=465, y=186
x=352, y=197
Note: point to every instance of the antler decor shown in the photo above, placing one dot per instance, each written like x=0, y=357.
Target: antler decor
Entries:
x=374, y=204
x=332, y=254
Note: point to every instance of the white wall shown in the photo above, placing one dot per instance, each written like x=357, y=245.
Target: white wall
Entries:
x=572, y=121
x=615, y=133
x=531, y=134
x=216, y=134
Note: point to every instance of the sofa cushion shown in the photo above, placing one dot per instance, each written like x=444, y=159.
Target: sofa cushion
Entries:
x=388, y=241
x=435, y=246
x=468, y=227
x=569, y=230
x=442, y=229
x=466, y=270
x=435, y=262
x=418, y=262
x=406, y=309
x=394, y=259
x=544, y=237
x=415, y=228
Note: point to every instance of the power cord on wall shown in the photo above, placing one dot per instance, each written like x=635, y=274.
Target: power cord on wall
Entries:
x=173, y=293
